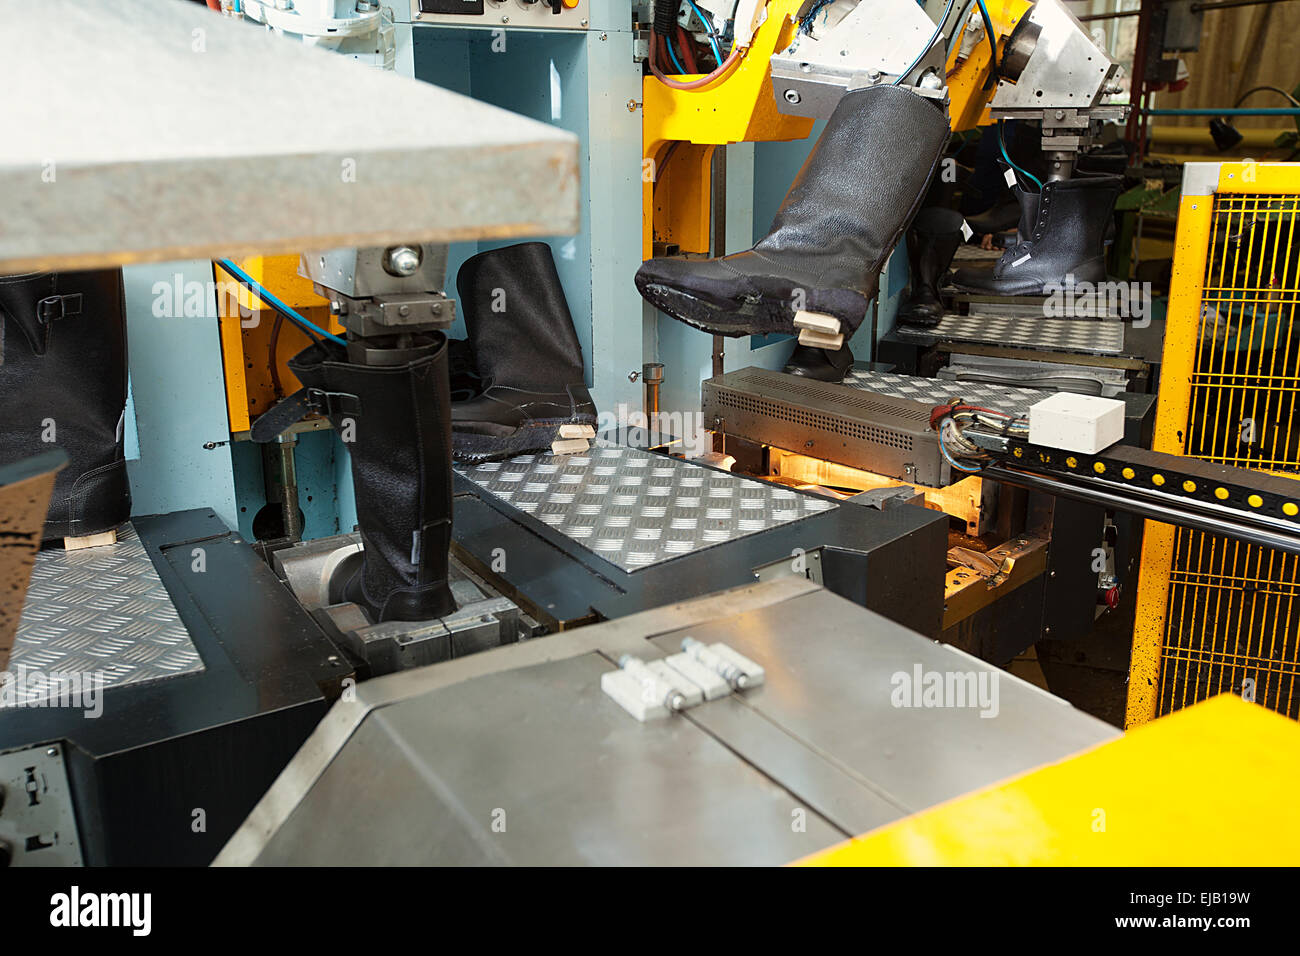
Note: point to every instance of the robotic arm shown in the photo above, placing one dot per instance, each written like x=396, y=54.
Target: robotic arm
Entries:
x=1047, y=68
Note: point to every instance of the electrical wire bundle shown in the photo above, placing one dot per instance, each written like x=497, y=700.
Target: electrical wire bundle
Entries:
x=950, y=421
x=665, y=28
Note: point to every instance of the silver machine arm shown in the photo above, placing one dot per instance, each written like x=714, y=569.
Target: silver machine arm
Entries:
x=1050, y=71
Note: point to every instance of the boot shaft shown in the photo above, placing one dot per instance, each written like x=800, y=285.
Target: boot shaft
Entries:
x=395, y=421
x=931, y=243
x=63, y=382
x=517, y=319
x=852, y=199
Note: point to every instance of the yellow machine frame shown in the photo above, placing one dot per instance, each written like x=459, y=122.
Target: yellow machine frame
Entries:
x=1215, y=615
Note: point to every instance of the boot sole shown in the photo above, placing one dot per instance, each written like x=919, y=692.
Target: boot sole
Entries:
x=531, y=438
x=771, y=312
x=743, y=317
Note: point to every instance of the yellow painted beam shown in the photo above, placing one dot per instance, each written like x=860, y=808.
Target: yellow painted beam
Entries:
x=969, y=92
x=739, y=108
x=1211, y=785
x=1182, y=331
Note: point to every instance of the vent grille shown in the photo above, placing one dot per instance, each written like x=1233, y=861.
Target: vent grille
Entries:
x=848, y=397
x=811, y=419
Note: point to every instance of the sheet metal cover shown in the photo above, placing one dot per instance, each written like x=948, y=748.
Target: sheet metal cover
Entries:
x=102, y=611
x=938, y=391
x=635, y=509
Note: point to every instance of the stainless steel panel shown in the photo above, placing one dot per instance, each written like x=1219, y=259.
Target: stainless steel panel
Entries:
x=537, y=766
x=832, y=687
x=522, y=737
x=635, y=509
x=99, y=611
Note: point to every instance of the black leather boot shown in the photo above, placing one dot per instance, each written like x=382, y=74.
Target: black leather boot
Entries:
x=1062, y=235
x=846, y=210
x=527, y=353
x=63, y=383
x=825, y=365
x=931, y=243
x=394, y=421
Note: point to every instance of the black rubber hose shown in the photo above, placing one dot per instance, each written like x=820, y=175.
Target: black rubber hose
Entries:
x=666, y=16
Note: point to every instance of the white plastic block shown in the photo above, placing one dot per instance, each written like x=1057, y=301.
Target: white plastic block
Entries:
x=691, y=693
x=754, y=675
x=711, y=683
x=630, y=694
x=1083, y=423
x=577, y=431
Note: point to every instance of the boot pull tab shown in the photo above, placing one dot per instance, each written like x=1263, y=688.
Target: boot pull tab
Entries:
x=58, y=306
x=277, y=419
x=36, y=326
x=440, y=528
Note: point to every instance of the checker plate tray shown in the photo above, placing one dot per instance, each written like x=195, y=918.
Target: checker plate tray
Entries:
x=1085, y=336
x=939, y=391
x=635, y=509
x=99, y=611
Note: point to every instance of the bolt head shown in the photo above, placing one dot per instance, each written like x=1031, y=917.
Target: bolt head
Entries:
x=402, y=260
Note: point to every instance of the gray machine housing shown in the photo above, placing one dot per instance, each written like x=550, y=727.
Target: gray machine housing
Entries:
x=875, y=432
x=515, y=756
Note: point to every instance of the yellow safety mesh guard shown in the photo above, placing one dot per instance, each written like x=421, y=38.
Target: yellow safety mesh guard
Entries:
x=1216, y=615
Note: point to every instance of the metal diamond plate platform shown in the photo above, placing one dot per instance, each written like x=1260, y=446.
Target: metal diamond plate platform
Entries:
x=99, y=611
x=635, y=509
x=1087, y=336
x=938, y=391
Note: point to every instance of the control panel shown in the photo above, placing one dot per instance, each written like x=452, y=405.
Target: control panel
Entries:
x=37, y=824
x=531, y=14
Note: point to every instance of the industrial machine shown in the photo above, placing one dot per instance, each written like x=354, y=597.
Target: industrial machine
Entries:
x=753, y=639
x=197, y=673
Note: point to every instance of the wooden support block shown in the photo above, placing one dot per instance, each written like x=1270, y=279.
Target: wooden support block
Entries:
x=569, y=446
x=577, y=431
x=90, y=541
x=817, y=322
x=820, y=340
